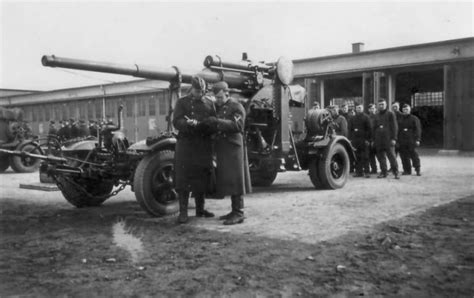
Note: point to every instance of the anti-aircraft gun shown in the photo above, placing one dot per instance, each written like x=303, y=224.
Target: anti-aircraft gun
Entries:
x=264, y=90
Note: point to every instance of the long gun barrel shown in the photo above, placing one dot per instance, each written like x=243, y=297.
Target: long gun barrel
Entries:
x=237, y=75
x=49, y=158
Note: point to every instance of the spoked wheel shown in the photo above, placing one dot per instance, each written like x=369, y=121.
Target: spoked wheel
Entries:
x=26, y=164
x=84, y=192
x=154, y=184
x=334, y=168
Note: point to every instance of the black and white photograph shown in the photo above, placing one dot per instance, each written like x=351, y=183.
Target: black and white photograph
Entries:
x=236, y=148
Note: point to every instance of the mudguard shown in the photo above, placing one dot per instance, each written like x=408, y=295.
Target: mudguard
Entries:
x=86, y=145
x=153, y=144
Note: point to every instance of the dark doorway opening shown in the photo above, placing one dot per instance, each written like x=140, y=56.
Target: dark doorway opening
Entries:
x=346, y=90
x=423, y=90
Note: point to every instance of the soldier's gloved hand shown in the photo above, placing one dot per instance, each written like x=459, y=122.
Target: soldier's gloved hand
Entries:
x=211, y=123
x=417, y=143
x=393, y=142
x=191, y=122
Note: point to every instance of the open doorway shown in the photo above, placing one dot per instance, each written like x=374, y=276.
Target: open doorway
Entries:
x=423, y=90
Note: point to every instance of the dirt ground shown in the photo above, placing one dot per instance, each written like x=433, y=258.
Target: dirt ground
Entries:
x=408, y=237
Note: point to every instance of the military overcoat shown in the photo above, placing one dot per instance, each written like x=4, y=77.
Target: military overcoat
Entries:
x=385, y=129
x=193, y=155
x=360, y=129
x=409, y=131
x=233, y=177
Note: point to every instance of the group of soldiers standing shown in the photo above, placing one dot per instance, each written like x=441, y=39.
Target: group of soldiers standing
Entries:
x=382, y=135
x=72, y=129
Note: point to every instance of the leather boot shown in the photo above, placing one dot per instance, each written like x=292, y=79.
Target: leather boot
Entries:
x=200, y=211
x=183, y=207
x=237, y=214
x=224, y=217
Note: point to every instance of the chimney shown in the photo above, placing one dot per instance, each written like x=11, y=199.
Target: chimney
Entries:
x=357, y=47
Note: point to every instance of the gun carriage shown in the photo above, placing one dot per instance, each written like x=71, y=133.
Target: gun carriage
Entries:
x=87, y=171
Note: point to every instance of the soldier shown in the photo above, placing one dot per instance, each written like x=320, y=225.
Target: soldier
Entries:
x=385, y=132
x=83, y=129
x=409, y=136
x=340, y=122
x=74, y=129
x=372, y=161
x=93, y=128
x=64, y=132
x=398, y=114
x=396, y=110
x=53, y=131
x=233, y=177
x=193, y=157
x=360, y=136
x=344, y=112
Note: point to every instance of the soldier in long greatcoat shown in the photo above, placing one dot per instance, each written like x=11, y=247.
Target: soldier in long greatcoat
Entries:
x=409, y=136
x=385, y=132
x=360, y=135
x=193, y=156
x=233, y=176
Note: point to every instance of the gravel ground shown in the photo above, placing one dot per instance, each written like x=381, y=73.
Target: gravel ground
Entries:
x=390, y=237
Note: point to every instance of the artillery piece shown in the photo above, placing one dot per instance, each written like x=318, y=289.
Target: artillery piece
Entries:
x=265, y=92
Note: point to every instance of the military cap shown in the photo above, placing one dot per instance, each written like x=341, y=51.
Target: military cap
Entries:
x=198, y=83
x=371, y=105
x=52, y=122
x=217, y=87
x=358, y=104
x=382, y=100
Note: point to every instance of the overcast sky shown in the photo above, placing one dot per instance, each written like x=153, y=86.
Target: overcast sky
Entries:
x=183, y=33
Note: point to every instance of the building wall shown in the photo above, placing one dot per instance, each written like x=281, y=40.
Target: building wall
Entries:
x=144, y=114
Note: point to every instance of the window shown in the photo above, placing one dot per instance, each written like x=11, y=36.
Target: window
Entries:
x=34, y=113
x=47, y=112
x=141, y=103
x=129, y=107
x=98, y=108
x=64, y=111
x=110, y=107
x=163, y=103
x=427, y=99
x=152, y=105
x=90, y=110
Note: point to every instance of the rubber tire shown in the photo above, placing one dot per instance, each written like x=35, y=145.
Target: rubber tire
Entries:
x=4, y=163
x=263, y=179
x=146, y=172
x=75, y=196
x=313, y=172
x=18, y=163
x=328, y=180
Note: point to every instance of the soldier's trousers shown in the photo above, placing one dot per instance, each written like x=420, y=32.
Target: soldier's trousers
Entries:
x=362, y=159
x=409, y=155
x=382, y=154
x=372, y=161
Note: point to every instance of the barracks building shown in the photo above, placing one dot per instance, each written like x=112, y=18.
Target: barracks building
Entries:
x=436, y=79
